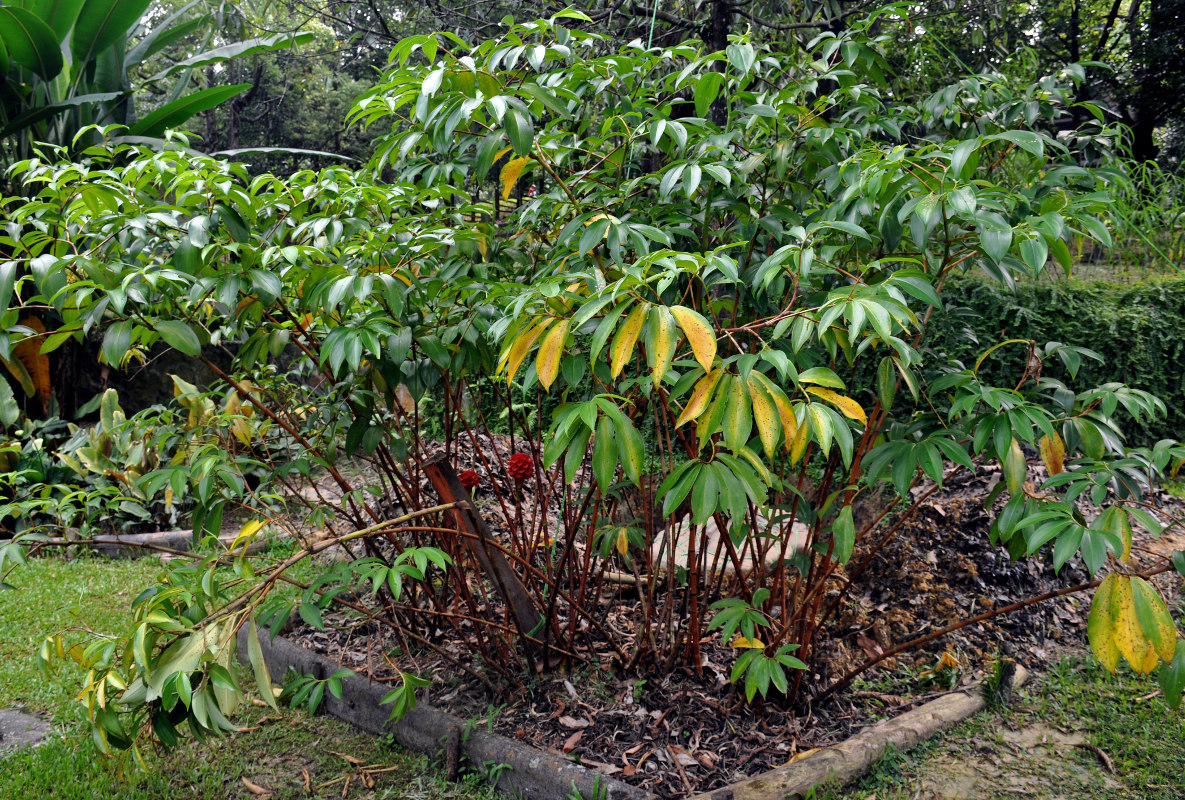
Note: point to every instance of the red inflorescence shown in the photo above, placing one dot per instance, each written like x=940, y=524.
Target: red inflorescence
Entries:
x=469, y=479
x=521, y=467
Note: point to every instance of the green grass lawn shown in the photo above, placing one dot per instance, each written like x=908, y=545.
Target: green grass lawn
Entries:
x=274, y=753
x=1076, y=733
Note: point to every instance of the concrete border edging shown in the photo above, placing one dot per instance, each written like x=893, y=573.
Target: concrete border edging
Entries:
x=533, y=774
x=539, y=775
x=854, y=756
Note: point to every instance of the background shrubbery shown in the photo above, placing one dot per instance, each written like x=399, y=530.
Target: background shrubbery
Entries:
x=1134, y=328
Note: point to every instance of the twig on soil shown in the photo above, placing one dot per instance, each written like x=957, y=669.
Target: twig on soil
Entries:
x=1103, y=758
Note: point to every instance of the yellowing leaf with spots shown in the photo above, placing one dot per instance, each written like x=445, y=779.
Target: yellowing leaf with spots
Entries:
x=700, y=395
x=1155, y=620
x=765, y=415
x=547, y=363
x=699, y=334
x=517, y=352
x=510, y=174
x=785, y=410
x=1129, y=637
x=662, y=341
x=738, y=418
x=624, y=340
x=1100, y=626
x=741, y=643
x=1053, y=454
x=849, y=407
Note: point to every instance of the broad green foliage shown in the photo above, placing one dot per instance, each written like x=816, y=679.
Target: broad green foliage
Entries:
x=66, y=65
x=716, y=248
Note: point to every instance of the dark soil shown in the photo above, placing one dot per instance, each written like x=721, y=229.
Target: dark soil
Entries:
x=680, y=733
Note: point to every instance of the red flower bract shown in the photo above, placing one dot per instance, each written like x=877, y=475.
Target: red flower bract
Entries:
x=469, y=479
x=521, y=467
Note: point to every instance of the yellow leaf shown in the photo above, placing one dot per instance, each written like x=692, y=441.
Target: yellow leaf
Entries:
x=624, y=340
x=741, y=643
x=699, y=334
x=547, y=363
x=1053, y=453
x=699, y=397
x=801, y=438
x=1129, y=637
x=1100, y=630
x=1151, y=659
x=513, y=358
x=511, y=172
x=247, y=533
x=1015, y=468
x=623, y=541
x=765, y=415
x=850, y=408
x=662, y=341
x=801, y=755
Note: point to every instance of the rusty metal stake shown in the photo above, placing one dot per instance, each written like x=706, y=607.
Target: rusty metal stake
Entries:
x=444, y=479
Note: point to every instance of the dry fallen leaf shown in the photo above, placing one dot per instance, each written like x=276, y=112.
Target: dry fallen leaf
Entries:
x=572, y=741
x=574, y=722
x=255, y=788
x=352, y=759
x=308, y=781
x=684, y=758
x=869, y=646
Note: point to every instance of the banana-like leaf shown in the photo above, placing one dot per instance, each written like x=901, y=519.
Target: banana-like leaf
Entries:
x=283, y=151
x=59, y=15
x=165, y=33
x=249, y=47
x=30, y=42
x=102, y=23
x=35, y=115
x=177, y=112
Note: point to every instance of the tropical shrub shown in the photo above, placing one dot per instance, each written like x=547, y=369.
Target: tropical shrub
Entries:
x=713, y=247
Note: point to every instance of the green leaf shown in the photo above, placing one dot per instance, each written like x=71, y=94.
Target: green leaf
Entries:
x=116, y=342
x=177, y=112
x=843, y=535
x=263, y=679
x=179, y=335
x=822, y=376
x=519, y=130
x=706, y=92
x=605, y=455
x=102, y=23
x=995, y=235
x=30, y=42
x=1172, y=679
x=961, y=157
x=1025, y=140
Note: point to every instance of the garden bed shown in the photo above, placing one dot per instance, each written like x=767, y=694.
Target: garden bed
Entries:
x=681, y=733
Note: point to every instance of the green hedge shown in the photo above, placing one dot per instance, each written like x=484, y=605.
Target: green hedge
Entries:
x=1138, y=329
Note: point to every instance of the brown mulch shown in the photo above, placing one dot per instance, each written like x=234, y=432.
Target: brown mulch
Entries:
x=680, y=733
